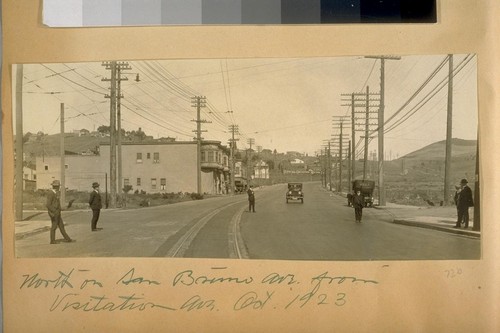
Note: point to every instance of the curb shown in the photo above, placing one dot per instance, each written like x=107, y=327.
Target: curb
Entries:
x=436, y=227
x=25, y=234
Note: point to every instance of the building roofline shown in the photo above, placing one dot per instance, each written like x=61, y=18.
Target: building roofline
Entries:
x=157, y=143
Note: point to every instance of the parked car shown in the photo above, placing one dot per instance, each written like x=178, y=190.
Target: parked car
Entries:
x=295, y=192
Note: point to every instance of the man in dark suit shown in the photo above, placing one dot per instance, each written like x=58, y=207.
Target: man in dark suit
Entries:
x=464, y=201
x=54, y=209
x=251, y=199
x=95, y=204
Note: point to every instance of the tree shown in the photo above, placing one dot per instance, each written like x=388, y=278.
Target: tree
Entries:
x=106, y=130
x=26, y=137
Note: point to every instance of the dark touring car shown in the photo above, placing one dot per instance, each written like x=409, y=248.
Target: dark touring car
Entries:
x=295, y=192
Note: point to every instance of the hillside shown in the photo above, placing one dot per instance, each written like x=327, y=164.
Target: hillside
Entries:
x=419, y=176
x=436, y=151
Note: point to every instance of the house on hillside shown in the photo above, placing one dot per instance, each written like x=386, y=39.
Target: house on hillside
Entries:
x=261, y=170
x=82, y=132
x=297, y=162
x=153, y=167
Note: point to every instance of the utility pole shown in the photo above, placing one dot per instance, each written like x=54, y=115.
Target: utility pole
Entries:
x=381, y=120
x=198, y=102
x=324, y=165
x=112, y=131
x=350, y=169
x=19, y=143
x=250, y=141
x=339, y=124
x=366, y=130
x=120, y=67
x=361, y=103
x=232, y=141
x=61, y=150
x=353, y=138
x=328, y=169
x=449, y=118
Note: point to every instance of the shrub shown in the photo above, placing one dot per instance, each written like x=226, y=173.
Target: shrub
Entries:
x=196, y=196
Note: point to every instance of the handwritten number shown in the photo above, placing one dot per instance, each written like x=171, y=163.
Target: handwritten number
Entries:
x=286, y=307
x=340, y=299
x=322, y=299
x=451, y=273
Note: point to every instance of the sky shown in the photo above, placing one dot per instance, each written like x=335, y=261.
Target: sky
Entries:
x=287, y=104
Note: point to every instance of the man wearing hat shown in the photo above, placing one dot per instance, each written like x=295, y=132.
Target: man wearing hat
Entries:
x=96, y=205
x=464, y=201
x=54, y=210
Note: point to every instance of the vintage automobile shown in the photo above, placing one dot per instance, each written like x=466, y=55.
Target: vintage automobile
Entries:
x=366, y=188
x=295, y=192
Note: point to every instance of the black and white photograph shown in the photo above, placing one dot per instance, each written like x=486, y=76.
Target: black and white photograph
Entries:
x=355, y=158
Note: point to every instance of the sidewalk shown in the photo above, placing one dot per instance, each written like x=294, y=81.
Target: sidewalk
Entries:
x=34, y=222
x=437, y=218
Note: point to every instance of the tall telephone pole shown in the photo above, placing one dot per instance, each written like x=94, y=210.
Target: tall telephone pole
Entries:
x=250, y=141
x=198, y=102
x=362, y=106
x=367, y=124
x=381, y=121
x=63, y=163
x=120, y=67
x=111, y=65
x=449, y=118
x=328, y=162
x=339, y=124
x=234, y=130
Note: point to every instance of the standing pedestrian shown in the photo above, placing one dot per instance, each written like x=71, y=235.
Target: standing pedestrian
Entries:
x=54, y=209
x=464, y=201
x=95, y=204
x=251, y=199
x=358, y=202
x=458, y=188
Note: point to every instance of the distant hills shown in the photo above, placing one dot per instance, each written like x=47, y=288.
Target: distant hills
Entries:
x=436, y=151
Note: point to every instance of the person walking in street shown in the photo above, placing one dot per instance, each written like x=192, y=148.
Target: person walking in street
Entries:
x=464, y=201
x=358, y=202
x=54, y=209
x=95, y=204
x=251, y=199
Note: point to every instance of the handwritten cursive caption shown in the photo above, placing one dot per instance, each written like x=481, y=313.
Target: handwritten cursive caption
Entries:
x=269, y=291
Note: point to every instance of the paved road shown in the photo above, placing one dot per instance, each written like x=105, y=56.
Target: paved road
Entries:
x=322, y=228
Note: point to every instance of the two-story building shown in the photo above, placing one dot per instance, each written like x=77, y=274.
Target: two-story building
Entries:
x=153, y=167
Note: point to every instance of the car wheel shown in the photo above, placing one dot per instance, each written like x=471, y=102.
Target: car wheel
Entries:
x=302, y=200
x=286, y=200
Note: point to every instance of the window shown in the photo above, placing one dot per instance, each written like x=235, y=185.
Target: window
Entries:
x=203, y=156
x=66, y=166
x=139, y=157
x=138, y=182
x=126, y=181
x=163, y=184
x=153, y=183
x=210, y=156
x=46, y=168
x=156, y=157
x=148, y=156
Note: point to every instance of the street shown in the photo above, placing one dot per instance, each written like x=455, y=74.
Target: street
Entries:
x=322, y=228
